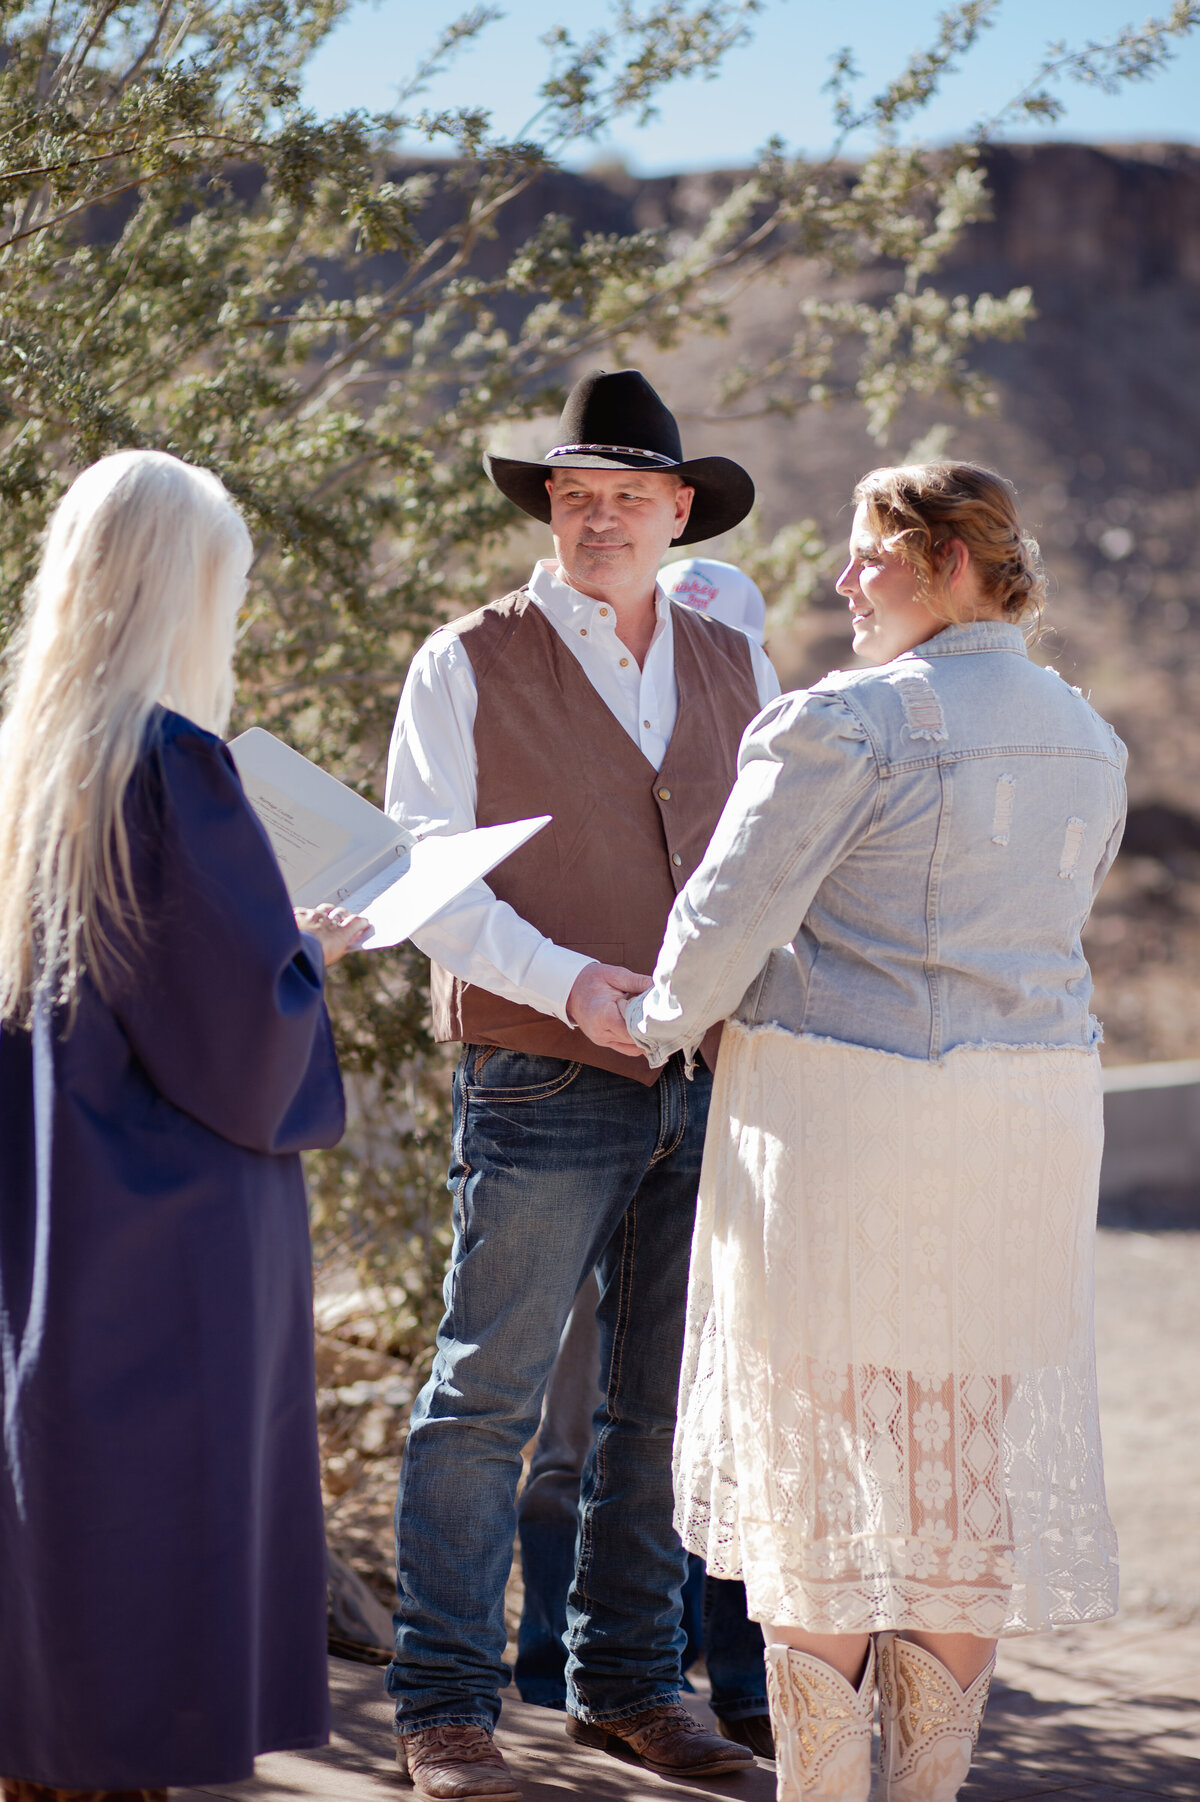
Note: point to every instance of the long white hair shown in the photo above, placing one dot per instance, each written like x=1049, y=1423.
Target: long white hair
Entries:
x=135, y=603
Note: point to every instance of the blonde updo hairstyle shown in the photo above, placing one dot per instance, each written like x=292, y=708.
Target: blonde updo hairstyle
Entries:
x=916, y=509
x=134, y=606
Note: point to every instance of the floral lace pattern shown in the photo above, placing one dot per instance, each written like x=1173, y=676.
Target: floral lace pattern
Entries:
x=888, y=1412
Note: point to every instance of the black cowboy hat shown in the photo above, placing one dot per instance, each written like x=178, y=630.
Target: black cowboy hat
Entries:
x=618, y=422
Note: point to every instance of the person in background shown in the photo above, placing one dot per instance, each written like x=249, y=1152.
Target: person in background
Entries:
x=714, y=1615
x=165, y=1055
x=588, y=696
x=721, y=590
x=888, y=1420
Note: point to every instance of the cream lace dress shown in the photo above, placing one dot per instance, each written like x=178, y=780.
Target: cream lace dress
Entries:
x=888, y=1412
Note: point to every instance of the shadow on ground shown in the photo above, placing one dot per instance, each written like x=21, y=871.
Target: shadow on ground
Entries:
x=1100, y=1714
x=1097, y=1750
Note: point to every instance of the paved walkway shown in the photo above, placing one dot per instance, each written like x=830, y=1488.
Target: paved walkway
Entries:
x=1106, y=1714
x=358, y=1766
x=1097, y=1714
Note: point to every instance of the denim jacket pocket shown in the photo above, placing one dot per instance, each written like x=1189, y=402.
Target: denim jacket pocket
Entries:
x=492, y=1074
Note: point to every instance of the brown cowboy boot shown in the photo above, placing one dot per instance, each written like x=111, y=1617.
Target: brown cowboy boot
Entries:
x=455, y=1761
x=753, y=1730
x=666, y=1739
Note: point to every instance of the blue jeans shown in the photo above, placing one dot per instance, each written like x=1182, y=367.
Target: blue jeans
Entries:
x=548, y=1510
x=733, y=1649
x=714, y=1613
x=557, y=1168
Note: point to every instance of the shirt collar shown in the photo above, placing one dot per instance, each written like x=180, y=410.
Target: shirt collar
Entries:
x=557, y=596
x=978, y=635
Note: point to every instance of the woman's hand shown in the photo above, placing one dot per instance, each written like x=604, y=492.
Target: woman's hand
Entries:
x=334, y=929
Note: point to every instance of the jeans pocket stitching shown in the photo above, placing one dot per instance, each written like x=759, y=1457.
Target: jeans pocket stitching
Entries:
x=537, y=1091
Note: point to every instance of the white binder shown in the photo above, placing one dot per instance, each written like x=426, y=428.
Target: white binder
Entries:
x=334, y=846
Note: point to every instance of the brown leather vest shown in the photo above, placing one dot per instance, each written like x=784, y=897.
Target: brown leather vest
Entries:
x=624, y=837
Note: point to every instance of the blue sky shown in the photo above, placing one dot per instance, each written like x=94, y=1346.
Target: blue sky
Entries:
x=770, y=85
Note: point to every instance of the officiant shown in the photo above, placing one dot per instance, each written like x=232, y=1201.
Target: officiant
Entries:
x=165, y=1055
x=588, y=695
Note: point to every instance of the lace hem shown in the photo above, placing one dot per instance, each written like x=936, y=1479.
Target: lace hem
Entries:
x=875, y=1585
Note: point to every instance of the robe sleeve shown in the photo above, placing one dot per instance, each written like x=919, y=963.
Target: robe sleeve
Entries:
x=224, y=1002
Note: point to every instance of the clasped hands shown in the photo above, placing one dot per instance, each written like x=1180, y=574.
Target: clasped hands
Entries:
x=597, y=1002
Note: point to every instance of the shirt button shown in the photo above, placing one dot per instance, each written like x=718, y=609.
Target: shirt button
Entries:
x=676, y=859
x=604, y=613
x=664, y=794
x=624, y=663
x=583, y=631
x=646, y=723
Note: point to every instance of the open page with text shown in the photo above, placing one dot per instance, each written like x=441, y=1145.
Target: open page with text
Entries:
x=333, y=846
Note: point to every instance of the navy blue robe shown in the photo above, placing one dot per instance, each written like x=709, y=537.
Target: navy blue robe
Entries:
x=162, y=1567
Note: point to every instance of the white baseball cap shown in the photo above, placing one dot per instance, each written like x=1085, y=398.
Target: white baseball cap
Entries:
x=721, y=589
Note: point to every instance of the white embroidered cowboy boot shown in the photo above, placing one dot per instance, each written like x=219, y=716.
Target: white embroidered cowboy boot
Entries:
x=928, y=1725
x=822, y=1728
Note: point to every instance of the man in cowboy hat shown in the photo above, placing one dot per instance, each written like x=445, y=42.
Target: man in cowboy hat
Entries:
x=586, y=695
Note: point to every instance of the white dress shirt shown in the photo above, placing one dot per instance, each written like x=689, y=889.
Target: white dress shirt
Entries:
x=432, y=776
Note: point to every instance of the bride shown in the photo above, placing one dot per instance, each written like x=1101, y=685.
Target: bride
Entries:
x=888, y=1418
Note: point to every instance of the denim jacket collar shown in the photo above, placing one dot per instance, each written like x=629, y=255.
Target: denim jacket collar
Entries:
x=980, y=635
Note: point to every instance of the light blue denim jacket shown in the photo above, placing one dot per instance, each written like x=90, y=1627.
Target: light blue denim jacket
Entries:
x=906, y=861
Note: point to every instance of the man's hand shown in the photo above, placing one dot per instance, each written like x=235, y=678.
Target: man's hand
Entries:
x=597, y=1005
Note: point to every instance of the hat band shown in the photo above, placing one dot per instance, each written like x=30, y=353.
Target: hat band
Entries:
x=611, y=450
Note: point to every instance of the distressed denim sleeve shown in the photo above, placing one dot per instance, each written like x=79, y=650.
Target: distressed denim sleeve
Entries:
x=806, y=792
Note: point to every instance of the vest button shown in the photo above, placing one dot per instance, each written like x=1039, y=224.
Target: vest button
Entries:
x=676, y=859
x=664, y=794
